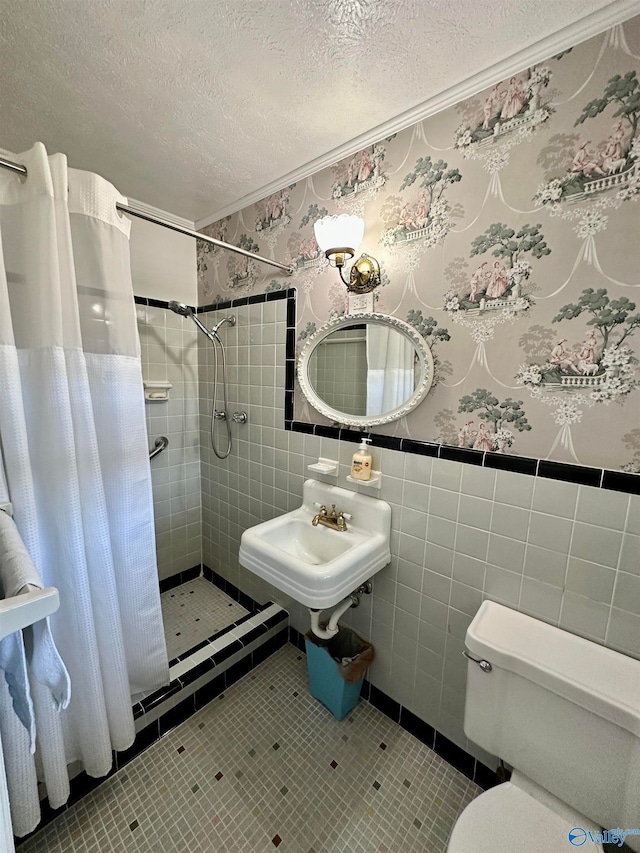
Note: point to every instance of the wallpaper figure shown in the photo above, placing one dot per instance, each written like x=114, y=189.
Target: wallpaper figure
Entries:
x=632, y=442
x=425, y=220
x=599, y=363
x=359, y=177
x=208, y=255
x=600, y=368
x=517, y=104
x=494, y=430
x=428, y=328
x=305, y=255
x=273, y=217
x=611, y=163
x=302, y=250
x=497, y=291
x=241, y=269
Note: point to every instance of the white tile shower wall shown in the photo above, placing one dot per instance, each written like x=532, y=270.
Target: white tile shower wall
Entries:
x=169, y=351
x=567, y=554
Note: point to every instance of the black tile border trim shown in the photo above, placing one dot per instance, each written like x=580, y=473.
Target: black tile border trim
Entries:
x=604, y=478
x=182, y=577
x=82, y=784
x=435, y=740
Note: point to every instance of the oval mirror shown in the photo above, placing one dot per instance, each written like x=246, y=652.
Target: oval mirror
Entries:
x=365, y=369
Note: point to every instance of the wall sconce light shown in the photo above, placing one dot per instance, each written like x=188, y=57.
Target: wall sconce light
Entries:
x=339, y=237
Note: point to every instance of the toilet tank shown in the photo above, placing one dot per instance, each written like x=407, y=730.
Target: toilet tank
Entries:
x=562, y=710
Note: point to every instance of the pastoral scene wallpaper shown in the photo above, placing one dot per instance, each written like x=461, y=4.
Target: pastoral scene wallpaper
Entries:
x=508, y=232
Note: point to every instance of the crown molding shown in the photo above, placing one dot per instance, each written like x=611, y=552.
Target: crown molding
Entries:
x=158, y=213
x=570, y=36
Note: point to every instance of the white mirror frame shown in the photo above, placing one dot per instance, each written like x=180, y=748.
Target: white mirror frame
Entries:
x=423, y=385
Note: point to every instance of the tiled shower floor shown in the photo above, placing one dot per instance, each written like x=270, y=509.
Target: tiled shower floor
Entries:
x=266, y=766
x=194, y=611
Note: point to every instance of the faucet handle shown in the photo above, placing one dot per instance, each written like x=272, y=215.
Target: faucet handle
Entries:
x=346, y=515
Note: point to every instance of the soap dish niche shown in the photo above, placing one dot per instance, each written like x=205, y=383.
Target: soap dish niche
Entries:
x=156, y=391
x=330, y=467
x=374, y=481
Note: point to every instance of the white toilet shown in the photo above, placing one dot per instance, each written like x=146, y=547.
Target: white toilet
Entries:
x=565, y=714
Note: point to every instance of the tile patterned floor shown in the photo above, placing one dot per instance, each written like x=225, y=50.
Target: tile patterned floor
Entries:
x=194, y=611
x=266, y=766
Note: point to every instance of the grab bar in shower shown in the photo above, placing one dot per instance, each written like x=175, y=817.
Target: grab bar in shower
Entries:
x=160, y=444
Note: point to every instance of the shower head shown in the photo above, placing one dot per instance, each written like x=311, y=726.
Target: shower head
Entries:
x=181, y=308
x=230, y=320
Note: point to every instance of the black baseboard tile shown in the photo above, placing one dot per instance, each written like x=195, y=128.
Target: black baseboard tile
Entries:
x=417, y=727
x=235, y=672
x=253, y=634
x=325, y=431
x=288, y=406
x=226, y=652
x=296, y=638
x=570, y=473
x=276, y=619
x=421, y=448
x=289, y=372
x=454, y=755
x=485, y=777
x=621, y=481
x=301, y=426
x=462, y=454
x=83, y=784
x=365, y=690
x=176, y=715
x=144, y=739
x=516, y=464
x=389, y=442
x=154, y=699
x=178, y=579
x=233, y=592
x=209, y=691
x=389, y=707
x=275, y=295
x=353, y=435
x=291, y=312
x=167, y=584
x=197, y=672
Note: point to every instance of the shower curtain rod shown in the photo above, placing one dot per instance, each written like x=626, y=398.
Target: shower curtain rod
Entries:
x=124, y=208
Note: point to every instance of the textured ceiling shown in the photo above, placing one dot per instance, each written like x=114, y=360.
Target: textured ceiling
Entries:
x=189, y=105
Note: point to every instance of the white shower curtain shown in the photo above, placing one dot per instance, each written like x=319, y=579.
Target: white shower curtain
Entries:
x=390, y=373
x=75, y=455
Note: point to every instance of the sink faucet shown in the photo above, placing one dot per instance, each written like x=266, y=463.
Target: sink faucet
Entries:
x=335, y=520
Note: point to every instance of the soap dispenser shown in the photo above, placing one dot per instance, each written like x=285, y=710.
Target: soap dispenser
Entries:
x=361, y=462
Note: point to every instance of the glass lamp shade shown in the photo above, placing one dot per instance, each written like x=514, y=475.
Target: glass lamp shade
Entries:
x=343, y=232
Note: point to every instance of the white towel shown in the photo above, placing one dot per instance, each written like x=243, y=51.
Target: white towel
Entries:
x=13, y=663
x=18, y=574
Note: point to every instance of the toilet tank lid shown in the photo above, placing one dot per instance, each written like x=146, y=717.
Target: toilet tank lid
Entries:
x=601, y=680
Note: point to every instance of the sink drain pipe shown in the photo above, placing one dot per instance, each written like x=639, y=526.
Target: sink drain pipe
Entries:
x=332, y=628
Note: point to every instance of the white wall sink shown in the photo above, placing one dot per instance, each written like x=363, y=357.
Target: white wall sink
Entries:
x=318, y=566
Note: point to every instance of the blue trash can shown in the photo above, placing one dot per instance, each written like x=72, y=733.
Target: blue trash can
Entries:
x=327, y=681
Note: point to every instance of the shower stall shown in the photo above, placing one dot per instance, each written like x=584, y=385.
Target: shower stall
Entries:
x=90, y=527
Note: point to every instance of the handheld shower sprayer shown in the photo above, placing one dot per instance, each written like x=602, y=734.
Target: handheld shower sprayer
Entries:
x=181, y=308
x=186, y=311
